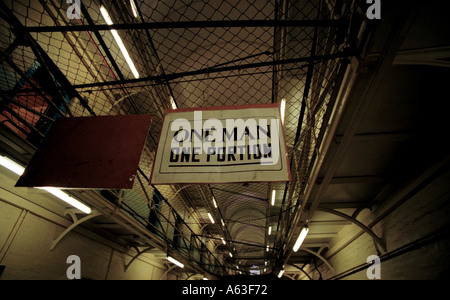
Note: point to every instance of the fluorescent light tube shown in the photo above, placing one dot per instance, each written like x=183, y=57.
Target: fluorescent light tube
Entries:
x=273, y=197
x=301, y=238
x=270, y=230
x=214, y=202
x=280, y=274
x=172, y=103
x=223, y=241
x=133, y=8
x=211, y=218
x=18, y=169
x=68, y=199
x=282, y=109
x=231, y=255
x=11, y=165
x=119, y=42
x=223, y=224
x=174, y=261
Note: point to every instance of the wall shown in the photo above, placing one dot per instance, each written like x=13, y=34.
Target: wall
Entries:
x=30, y=221
x=418, y=210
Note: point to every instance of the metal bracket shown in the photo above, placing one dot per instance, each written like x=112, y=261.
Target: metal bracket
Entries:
x=136, y=256
x=356, y=222
x=303, y=271
x=76, y=222
x=167, y=271
x=319, y=256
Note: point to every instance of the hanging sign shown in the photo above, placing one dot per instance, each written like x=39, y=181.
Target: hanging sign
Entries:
x=221, y=145
x=101, y=152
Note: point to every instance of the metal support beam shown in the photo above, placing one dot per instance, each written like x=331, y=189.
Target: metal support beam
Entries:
x=76, y=222
x=193, y=24
x=356, y=222
x=319, y=257
x=212, y=70
x=137, y=255
x=303, y=271
x=168, y=271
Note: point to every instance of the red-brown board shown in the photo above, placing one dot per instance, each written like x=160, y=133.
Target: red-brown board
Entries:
x=101, y=152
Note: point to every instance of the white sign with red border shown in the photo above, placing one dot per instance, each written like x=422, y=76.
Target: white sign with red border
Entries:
x=221, y=145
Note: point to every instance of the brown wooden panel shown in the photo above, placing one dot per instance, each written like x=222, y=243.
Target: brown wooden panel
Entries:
x=89, y=152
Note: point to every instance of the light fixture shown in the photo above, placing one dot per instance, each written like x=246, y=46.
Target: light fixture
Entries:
x=172, y=103
x=18, y=169
x=133, y=8
x=204, y=278
x=267, y=248
x=231, y=255
x=223, y=224
x=211, y=218
x=270, y=230
x=273, y=197
x=280, y=274
x=223, y=241
x=174, y=261
x=282, y=109
x=68, y=199
x=119, y=42
x=11, y=165
x=214, y=202
x=301, y=238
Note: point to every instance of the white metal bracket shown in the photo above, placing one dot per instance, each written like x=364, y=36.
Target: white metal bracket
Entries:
x=76, y=222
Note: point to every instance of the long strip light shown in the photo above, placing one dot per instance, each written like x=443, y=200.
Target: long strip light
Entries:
x=270, y=230
x=283, y=109
x=280, y=274
x=18, y=169
x=68, y=199
x=172, y=103
x=223, y=241
x=301, y=238
x=211, y=218
x=214, y=202
x=274, y=192
x=11, y=165
x=133, y=8
x=174, y=261
x=119, y=42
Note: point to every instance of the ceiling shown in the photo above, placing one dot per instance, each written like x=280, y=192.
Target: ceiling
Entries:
x=344, y=148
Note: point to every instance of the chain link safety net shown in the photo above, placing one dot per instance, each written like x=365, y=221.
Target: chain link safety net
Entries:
x=59, y=60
